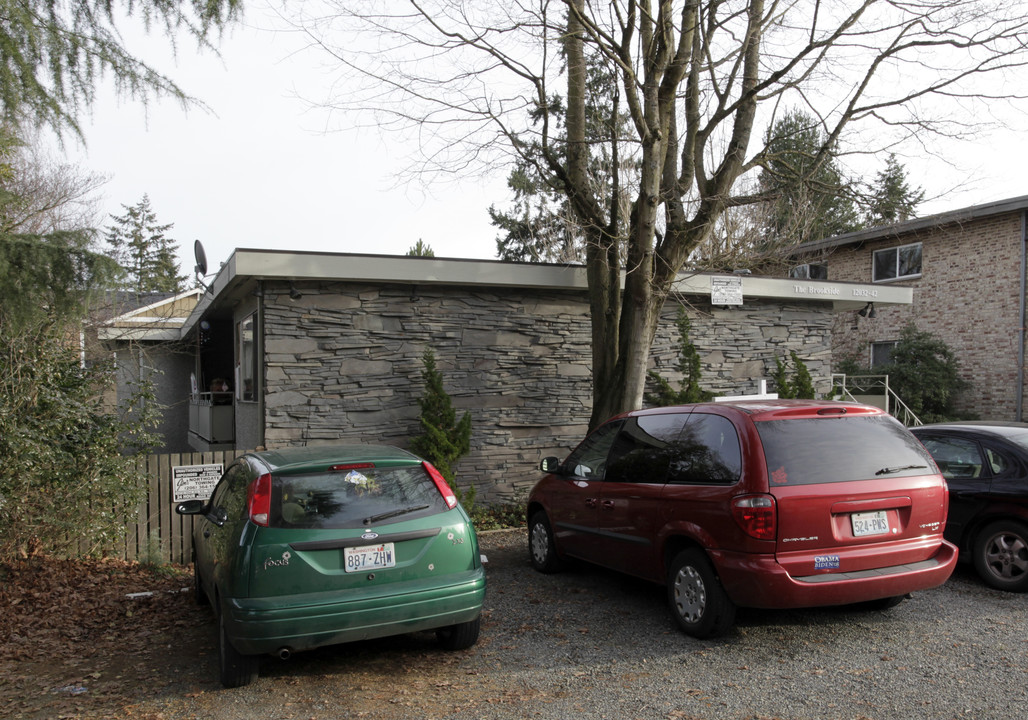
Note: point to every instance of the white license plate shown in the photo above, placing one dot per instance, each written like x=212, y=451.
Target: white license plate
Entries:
x=869, y=523
x=369, y=557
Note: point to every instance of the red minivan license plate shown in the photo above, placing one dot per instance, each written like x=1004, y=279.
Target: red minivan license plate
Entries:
x=369, y=557
x=869, y=523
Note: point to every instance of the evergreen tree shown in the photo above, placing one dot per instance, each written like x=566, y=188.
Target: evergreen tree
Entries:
x=146, y=254
x=802, y=383
x=44, y=277
x=925, y=374
x=541, y=226
x=55, y=52
x=811, y=197
x=689, y=390
x=780, y=377
x=421, y=249
x=892, y=199
x=443, y=440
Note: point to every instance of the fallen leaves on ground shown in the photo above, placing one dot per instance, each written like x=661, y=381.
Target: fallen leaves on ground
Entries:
x=71, y=627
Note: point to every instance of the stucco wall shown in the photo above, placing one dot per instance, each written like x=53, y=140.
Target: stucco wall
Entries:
x=343, y=363
x=967, y=296
x=167, y=366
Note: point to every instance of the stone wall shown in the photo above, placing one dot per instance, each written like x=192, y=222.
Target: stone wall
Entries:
x=967, y=296
x=343, y=363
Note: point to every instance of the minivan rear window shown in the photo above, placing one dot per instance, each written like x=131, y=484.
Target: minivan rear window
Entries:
x=840, y=449
x=354, y=498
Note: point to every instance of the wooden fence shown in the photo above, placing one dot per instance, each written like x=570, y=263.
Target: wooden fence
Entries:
x=158, y=528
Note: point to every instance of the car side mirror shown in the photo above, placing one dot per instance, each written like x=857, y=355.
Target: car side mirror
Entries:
x=550, y=465
x=218, y=516
x=190, y=507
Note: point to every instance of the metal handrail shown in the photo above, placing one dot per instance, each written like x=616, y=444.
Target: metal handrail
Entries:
x=893, y=403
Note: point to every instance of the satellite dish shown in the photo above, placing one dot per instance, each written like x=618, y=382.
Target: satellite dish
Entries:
x=201, y=259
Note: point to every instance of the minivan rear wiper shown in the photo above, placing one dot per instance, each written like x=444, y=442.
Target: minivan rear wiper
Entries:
x=394, y=513
x=891, y=470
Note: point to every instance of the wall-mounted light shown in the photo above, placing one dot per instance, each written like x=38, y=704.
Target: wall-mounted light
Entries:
x=868, y=311
x=294, y=294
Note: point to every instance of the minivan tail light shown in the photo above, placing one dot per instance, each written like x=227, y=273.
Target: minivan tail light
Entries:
x=756, y=515
x=441, y=485
x=258, y=500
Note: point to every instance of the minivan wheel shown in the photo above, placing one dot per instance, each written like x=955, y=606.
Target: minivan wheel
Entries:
x=541, y=549
x=1001, y=555
x=698, y=602
x=460, y=636
x=236, y=669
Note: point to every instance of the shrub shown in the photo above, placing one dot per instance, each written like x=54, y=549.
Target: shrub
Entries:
x=65, y=484
x=924, y=373
x=443, y=440
x=688, y=364
x=800, y=385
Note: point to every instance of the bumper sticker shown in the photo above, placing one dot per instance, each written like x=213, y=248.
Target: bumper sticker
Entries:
x=826, y=562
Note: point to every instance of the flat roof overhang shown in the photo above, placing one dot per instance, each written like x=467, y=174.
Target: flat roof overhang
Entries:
x=239, y=275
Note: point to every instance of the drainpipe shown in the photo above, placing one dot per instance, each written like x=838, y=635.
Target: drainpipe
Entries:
x=1021, y=331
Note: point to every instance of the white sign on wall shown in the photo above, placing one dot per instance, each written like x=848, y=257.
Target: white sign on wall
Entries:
x=725, y=290
x=194, y=482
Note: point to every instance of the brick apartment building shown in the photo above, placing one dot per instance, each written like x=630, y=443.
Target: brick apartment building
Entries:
x=967, y=271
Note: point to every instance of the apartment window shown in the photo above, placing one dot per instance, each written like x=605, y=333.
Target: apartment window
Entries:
x=881, y=352
x=246, y=371
x=809, y=271
x=898, y=263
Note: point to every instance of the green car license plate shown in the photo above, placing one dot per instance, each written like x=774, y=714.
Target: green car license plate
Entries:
x=869, y=523
x=370, y=557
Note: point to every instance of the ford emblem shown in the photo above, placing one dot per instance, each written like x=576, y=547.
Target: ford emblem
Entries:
x=369, y=535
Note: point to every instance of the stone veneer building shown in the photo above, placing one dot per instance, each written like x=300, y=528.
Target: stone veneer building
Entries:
x=967, y=272
x=322, y=347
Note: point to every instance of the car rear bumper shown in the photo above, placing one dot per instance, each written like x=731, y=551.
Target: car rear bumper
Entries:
x=302, y=622
x=759, y=581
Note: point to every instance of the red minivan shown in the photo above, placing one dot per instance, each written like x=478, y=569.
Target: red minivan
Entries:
x=757, y=503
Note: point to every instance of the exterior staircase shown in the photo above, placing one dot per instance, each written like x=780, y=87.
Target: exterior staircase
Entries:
x=873, y=390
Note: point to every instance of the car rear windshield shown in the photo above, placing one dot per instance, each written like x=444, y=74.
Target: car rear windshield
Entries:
x=354, y=498
x=840, y=449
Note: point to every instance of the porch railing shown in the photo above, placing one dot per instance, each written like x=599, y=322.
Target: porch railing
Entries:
x=212, y=419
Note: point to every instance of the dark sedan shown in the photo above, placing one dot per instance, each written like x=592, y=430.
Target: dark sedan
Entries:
x=986, y=467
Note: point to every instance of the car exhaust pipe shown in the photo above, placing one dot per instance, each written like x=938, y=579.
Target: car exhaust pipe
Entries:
x=284, y=653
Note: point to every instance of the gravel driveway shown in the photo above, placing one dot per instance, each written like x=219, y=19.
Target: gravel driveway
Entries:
x=593, y=644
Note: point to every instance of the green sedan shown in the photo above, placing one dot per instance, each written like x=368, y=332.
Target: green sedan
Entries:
x=304, y=547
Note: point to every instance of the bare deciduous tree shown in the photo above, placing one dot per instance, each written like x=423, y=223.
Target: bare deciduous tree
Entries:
x=48, y=195
x=483, y=83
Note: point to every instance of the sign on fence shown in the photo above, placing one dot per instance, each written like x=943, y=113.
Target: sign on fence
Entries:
x=194, y=482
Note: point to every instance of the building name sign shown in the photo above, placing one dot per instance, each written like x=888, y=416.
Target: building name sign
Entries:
x=832, y=291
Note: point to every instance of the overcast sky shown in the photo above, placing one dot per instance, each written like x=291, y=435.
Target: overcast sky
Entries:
x=257, y=171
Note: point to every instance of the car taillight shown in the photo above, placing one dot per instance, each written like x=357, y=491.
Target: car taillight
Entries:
x=756, y=515
x=258, y=500
x=441, y=485
x=351, y=466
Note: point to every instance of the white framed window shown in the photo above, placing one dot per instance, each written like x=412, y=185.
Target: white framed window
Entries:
x=246, y=369
x=881, y=352
x=897, y=263
x=809, y=271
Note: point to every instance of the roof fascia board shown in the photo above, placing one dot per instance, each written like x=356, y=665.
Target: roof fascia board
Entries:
x=974, y=212
x=405, y=269
x=842, y=295
x=245, y=264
